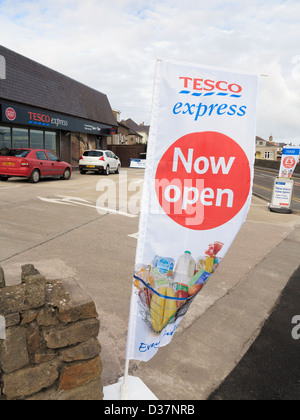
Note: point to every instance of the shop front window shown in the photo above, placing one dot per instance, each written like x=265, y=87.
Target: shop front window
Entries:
x=5, y=138
x=20, y=137
x=51, y=141
x=36, y=139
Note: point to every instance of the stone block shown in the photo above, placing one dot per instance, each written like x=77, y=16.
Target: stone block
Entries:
x=57, y=294
x=44, y=356
x=48, y=316
x=12, y=319
x=79, y=374
x=27, y=271
x=28, y=317
x=73, y=302
x=14, y=354
x=2, y=278
x=35, y=291
x=33, y=340
x=92, y=391
x=29, y=381
x=71, y=334
x=12, y=299
x=87, y=350
x=76, y=313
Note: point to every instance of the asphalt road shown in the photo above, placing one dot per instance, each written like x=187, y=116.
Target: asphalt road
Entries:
x=264, y=182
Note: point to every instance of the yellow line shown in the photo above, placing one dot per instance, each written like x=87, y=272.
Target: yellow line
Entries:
x=268, y=172
x=264, y=188
x=268, y=189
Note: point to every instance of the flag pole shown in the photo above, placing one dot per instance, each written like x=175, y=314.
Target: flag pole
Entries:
x=124, y=391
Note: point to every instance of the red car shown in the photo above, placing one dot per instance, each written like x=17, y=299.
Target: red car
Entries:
x=33, y=164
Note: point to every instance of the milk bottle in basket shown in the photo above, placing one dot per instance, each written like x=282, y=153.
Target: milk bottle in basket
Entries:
x=184, y=271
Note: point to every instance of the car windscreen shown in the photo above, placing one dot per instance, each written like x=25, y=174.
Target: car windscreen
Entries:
x=93, y=153
x=17, y=153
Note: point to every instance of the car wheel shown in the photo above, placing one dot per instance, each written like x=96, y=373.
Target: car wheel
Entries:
x=117, y=170
x=3, y=178
x=35, y=176
x=107, y=170
x=82, y=172
x=67, y=174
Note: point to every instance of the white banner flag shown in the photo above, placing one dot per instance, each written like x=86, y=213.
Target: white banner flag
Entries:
x=197, y=193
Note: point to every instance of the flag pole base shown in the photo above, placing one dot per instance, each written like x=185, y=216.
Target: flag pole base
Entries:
x=135, y=389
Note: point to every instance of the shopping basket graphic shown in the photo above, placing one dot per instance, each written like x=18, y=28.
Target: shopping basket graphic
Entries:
x=161, y=307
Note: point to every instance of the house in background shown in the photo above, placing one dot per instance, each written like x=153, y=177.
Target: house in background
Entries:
x=142, y=129
x=266, y=149
x=124, y=135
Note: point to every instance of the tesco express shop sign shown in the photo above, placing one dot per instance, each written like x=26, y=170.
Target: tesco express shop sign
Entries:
x=17, y=114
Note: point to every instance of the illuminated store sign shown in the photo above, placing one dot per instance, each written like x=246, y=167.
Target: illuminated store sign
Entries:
x=17, y=114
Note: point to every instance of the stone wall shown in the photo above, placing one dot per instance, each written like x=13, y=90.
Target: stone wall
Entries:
x=50, y=349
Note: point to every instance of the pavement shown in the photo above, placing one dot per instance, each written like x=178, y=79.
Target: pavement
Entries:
x=65, y=239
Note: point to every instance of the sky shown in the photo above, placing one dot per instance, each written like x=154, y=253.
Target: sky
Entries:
x=113, y=45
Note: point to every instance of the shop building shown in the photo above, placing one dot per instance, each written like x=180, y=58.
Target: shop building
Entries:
x=42, y=108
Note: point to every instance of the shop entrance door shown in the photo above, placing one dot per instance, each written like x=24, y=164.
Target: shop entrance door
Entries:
x=65, y=148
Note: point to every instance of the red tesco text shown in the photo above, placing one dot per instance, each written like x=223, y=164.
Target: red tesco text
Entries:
x=39, y=117
x=209, y=85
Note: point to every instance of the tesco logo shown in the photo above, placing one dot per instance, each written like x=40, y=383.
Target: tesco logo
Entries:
x=10, y=114
x=208, y=85
x=39, y=117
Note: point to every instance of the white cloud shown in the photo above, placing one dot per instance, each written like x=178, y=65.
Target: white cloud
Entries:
x=112, y=45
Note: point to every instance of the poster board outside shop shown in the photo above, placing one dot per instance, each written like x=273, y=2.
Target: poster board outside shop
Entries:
x=282, y=196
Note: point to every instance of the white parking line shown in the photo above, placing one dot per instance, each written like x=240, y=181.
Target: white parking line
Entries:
x=73, y=201
x=7, y=188
x=134, y=236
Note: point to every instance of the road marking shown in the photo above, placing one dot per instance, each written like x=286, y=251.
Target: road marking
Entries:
x=7, y=188
x=134, y=235
x=74, y=201
x=55, y=201
x=264, y=188
x=264, y=176
x=268, y=189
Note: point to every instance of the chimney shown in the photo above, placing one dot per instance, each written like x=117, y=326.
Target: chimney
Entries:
x=271, y=139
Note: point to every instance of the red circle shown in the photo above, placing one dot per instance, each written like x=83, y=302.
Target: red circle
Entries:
x=203, y=180
x=289, y=162
x=10, y=114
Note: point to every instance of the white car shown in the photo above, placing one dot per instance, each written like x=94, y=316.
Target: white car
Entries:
x=102, y=161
